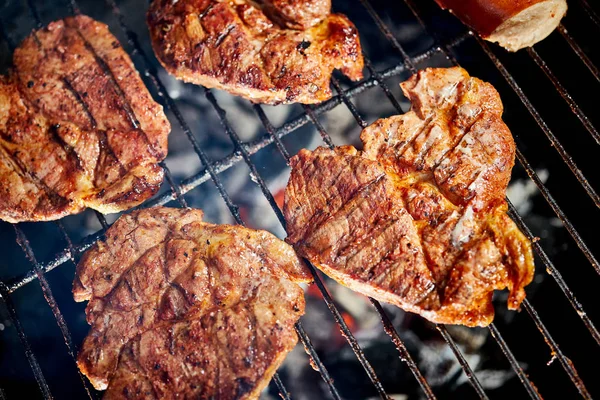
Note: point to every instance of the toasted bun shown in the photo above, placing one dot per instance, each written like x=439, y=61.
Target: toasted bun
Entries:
x=512, y=24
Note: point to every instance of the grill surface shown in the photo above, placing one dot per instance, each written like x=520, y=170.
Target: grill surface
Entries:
x=547, y=92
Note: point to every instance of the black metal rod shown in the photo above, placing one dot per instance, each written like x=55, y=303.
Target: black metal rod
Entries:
x=564, y=94
x=271, y=131
x=542, y=124
x=556, y=351
x=359, y=119
x=405, y=356
x=552, y=271
x=389, y=36
x=49, y=297
x=285, y=395
x=31, y=358
x=590, y=12
x=463, y=362
x=174, y=187
x=310, y=350
x=579, y=51
x=315, y=120
x=529, y=386
x=558, y=211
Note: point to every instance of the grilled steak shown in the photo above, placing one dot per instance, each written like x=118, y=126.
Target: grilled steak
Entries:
x=418, y=219
x=78, y=127
x=246, y=48
x=180, y=308
x=295, y=14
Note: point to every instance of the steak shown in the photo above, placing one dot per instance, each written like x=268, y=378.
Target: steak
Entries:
x=418, y=218
x=248, y=49
x=78, y=128
x=180, y=308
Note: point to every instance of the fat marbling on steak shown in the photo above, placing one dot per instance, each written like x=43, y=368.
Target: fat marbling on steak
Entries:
x=78, y=127
x=418, y=219
x=181, y=308
x=249, y=49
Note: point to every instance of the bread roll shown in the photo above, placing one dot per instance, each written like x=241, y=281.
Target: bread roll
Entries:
x=514, y=24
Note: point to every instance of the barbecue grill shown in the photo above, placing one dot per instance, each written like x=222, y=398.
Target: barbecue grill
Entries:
x=546, y=350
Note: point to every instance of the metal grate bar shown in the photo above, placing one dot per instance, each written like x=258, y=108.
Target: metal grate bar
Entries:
x=261, y=183
x=35, y=366
x=551, y=269
x=401, y=347
x=556, y=352
x=313, y=118
x=529, y=386
x=379, y=78
x=541, y=123
x=49, y=297
x=271, y=130
x=310, y=350
x=389, y=36
x=463, y=362
x=174, y=187
x=558, y=211
x=590, y=12
x=579, y=51
x=359, y=119
x=564, y=94
x=285, y=395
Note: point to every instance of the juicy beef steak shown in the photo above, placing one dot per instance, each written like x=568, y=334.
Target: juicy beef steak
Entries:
x=180, y=308
x=418, y=219
x=248, y=48
x=78, y=127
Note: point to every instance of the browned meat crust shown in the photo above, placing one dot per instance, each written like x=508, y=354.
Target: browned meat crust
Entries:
x=419, y=218
x=234, y=46
x=295, y=14
x=78, y=127
x=180, y=308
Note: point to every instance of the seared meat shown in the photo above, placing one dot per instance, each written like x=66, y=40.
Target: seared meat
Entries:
x=235, y=46
x=418, y=219
x=180, y=308
x=295, y=14
x=78, y=127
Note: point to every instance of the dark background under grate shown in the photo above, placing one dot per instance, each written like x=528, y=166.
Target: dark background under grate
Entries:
x=240, y=151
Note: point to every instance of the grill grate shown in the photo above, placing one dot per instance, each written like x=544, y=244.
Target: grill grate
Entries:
x=244, y=151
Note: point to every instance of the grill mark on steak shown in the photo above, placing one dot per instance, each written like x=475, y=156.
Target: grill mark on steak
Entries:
x=55, y=198
x=434, y=238
x=80, y=100
x=124, y=102
x=224, y=34
x=106, y=69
